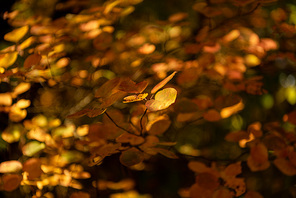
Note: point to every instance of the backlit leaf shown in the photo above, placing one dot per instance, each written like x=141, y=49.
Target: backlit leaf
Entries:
x=135, y=98
x=12, y=166
x=162, y=83
x=207, y=180
x=21, y=88
x=163, y=99
x=5, y=99
x=7, y=59
x=17, y=34
x=32, y=148
x=158, y=126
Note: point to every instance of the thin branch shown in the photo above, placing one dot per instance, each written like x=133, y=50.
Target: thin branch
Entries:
x=118, y=125
x=141, y=125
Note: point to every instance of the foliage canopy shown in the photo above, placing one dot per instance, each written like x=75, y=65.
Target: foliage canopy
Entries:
x=134, y=98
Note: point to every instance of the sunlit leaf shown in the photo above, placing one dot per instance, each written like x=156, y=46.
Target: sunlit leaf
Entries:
x=146, y=49
x=131, y=157
x=22, y=103
x=17, y=34
x=17, y=114
x=7, y=59
x=228, y=111
x=135, y=98
x=12, y=133
x=163, y=99
x=5, y=99
x=12, y=166
x=21, y=88
x=162, y=83
x=32, y=148
x=32, y=60
x=11, y=182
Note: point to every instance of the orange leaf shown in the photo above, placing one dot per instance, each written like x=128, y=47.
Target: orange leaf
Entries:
x=165, y=153
x=131, y=157
x=258, y=160
x=233, y=170
x=236, y=136
x=285, y=166
x=80, y=195
x=212, y=115
x=222, y=193
x=162, y=83
x=32, y=60
x=11, y=182
x=198, y=167
x=79, y=113
x=33, y=167
x=207, y=180
x=106, y=89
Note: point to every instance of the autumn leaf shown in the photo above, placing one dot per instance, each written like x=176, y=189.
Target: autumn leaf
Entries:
x=11, y=182
x=163, y=99
x=33, y=167
x=11, y=166
x=131, y=157
x=32, y=148
x=32, y=60
x=162, y=83
x=8, y=59
x=135, y=98
x=17, y=34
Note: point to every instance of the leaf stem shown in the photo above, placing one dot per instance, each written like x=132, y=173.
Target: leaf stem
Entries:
x=118, y=125
x=141, y=125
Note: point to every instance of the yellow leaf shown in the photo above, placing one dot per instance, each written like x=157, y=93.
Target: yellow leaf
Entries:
x=17, y=34
x=22, y=103
x=135, y=98
x=21, y=88
x=163, y=99
x=5, y=99
x=8, y=59
x=10, y=166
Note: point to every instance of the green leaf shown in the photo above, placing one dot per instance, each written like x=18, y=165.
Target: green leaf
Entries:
x=32, y=148
x=163, y=99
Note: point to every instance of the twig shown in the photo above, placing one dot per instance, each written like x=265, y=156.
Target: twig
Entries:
x=141, y=125
x=118, y=125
